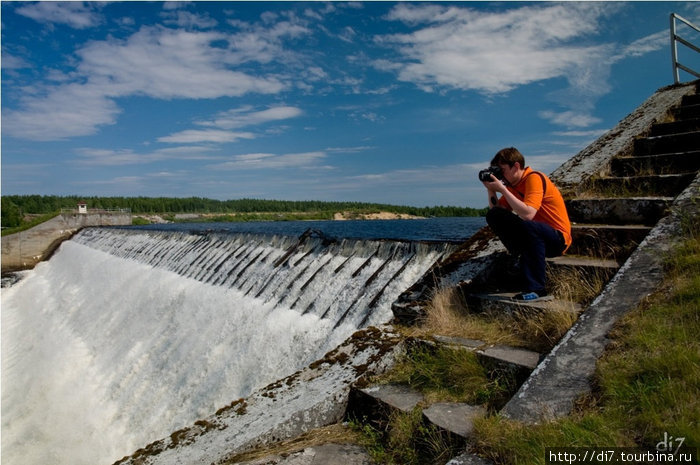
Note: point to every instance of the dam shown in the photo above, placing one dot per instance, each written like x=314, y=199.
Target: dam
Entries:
x=126, y=335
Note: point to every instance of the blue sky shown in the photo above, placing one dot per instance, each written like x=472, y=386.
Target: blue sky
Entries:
x=398, y=103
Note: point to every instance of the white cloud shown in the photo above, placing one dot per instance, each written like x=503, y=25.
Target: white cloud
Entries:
x=165, y=63
x=75, y=110
x=242, y=117
x=77, y=15
x=156, y=62
x=253, y=161
x=13, y=62
x=207, y=135
x=117, y=157
x=595, y=133
x=494, y=52
x=570, y=118
x=645, y=45
x=188, y=20
x=222, y=124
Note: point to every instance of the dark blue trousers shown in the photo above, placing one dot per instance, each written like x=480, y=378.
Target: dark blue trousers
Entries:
x=531, y=240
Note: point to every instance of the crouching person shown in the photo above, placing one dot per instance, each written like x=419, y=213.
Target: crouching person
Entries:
x=527, y=213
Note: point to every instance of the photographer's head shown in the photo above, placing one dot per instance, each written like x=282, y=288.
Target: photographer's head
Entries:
x=508, y=156
x=512, y=163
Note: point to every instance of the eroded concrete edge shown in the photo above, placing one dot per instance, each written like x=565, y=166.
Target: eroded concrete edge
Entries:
x=595, y=159
x=313, y=397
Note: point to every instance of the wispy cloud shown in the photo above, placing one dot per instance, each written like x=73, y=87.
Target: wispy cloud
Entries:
x=188, y=20
x=257, y=161
x=78, y=15
x=221, y=125
x=112, y=157
x=493, y=52
x=246, y=116
x=157, y=62
x=206, y=135
x=453, y=47
x=570, y=119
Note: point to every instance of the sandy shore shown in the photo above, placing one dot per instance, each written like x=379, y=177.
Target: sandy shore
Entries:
x=373, y=216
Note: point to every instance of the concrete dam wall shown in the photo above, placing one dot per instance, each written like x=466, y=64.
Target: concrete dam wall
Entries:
x=25, y=249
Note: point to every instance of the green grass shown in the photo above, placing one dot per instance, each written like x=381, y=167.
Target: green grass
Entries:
x=647, y=382
x=407, y=440
x=443, y=374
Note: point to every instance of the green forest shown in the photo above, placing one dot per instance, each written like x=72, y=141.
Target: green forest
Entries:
x=16, y=207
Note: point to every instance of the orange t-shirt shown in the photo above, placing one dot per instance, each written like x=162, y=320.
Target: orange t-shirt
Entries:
x=537, y=190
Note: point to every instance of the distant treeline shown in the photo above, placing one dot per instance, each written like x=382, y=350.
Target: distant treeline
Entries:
x=18, y=205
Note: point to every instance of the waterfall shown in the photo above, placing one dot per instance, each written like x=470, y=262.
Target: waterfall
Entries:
x=125, y=336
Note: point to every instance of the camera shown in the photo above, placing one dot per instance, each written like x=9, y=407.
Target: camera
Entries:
x=485, y=175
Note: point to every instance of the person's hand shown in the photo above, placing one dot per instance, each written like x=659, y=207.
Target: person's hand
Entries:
x=495, y=185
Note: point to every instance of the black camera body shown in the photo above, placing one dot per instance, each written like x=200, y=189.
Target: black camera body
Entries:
x=485, y=175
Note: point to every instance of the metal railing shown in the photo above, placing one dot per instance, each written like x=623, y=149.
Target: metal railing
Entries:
x=98, y=210
x=675, y=40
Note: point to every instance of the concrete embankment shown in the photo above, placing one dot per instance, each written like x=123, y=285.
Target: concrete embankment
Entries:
x=23, y=250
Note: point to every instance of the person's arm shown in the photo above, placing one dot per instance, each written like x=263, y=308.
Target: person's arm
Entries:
x=521, y=209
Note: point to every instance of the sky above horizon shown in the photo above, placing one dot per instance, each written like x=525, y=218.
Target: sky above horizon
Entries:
x=399, y=103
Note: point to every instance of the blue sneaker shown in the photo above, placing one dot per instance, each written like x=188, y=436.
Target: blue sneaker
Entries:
x=532, y=297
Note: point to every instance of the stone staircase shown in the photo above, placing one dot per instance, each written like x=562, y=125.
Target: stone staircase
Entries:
x=612, y=212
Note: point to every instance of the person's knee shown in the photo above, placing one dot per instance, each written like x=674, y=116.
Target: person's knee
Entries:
x=495, y=216
x=491, y=216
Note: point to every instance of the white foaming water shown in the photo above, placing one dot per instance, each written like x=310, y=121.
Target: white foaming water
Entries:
x=102, y=354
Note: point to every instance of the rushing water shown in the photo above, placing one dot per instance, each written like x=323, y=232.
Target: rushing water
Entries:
x=126, y=335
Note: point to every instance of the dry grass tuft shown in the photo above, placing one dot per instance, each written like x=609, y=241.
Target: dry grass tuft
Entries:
x=448, y=315
x=574, y=285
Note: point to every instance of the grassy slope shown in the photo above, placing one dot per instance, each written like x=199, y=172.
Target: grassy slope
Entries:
x=647, y=382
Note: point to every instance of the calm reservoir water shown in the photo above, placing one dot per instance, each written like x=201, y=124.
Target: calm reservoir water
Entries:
x=429, y=229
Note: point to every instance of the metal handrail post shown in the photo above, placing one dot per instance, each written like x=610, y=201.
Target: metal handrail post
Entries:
x=674, y=50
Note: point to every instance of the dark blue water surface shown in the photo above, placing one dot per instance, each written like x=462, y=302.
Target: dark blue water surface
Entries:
x=429, y=229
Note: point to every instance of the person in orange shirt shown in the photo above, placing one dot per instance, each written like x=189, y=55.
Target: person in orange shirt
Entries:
x=527, y=213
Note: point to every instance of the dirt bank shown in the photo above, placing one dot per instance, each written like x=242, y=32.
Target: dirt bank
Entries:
x=340, y=216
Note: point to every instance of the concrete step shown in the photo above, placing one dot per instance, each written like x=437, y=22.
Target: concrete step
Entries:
x=390, y=396
x=493, y=354
x=630, y=210
x=454, y=418
x=375, y=405
x=324, y=454
x=514, y=362
x=693, y=99
x=497, y=359
x=687, y=111
x=469, y=459
x=502, y=302
x=586, y=269
x=606, y=240
x=668, y=163
x=684, y=142
x=676, y=127
x=581, y=261
x=667, y=185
